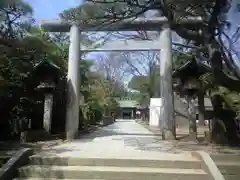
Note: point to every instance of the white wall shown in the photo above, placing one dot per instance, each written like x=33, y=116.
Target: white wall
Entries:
x=155, y=112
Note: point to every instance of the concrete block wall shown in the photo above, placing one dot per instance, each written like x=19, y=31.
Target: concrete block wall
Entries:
x=107, y=120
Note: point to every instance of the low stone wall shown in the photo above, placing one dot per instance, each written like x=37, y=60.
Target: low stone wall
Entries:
x=107, y=120
x=208, y=165
x=9, y=169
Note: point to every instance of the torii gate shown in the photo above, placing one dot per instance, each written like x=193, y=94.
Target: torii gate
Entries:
x=164, y=43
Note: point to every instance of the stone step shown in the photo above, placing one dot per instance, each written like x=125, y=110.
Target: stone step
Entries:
x=164, y=162
x=228, y=164
x=231, y=177
x=226, y=157
x=229, y=167
x=112, y=173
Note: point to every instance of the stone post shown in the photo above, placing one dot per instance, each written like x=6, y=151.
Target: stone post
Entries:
x=73, y=83
x=47, y=117
x=167, y=121
x=201, y=108
x=192, y=118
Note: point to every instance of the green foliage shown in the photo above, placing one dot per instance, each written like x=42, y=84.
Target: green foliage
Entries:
x=86, y=17
x=139, y=83
x=207, y=81
x=179, y=59
x=97, y=92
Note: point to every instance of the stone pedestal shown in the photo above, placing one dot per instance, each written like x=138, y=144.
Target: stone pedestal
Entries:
x=192, y=118
x=47, y=118
x=201, y=108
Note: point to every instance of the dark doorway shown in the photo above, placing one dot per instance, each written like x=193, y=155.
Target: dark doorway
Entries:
x=126, y=115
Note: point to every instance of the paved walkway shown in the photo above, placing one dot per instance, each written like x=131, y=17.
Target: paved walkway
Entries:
x=128, y=138
x=123, y=137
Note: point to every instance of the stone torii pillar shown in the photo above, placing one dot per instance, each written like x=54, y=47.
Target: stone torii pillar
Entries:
x=73, y=83
x=167, y=121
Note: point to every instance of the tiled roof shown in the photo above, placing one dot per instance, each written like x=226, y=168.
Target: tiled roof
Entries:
x=128, y=103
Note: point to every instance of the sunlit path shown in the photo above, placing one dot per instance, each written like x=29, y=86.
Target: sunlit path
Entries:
x=121, y=138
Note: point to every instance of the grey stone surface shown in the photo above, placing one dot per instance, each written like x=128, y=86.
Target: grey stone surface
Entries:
x=122, y=137
x=107, y=121
x=123, y=150
x=229, y=165
x=208, y=165
x=9, y=169
x=164, y=162
x=129, y=137
x=47, y=116
x=113, y=173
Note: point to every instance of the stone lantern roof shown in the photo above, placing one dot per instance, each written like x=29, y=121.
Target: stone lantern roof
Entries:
x=46, y=68
x=185, y=78
x=48, y=74
x=191, y=68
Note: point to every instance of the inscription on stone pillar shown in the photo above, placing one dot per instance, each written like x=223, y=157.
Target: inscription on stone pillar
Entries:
x=47, y=118
x=192, y=118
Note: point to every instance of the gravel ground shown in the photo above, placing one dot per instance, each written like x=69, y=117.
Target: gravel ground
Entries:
x=184, y=144
x=11, y=146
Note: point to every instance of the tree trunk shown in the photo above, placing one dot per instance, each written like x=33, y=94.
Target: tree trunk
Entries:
x=217, y=126
x=223, y=126
x=201, y=108
x=192, y=118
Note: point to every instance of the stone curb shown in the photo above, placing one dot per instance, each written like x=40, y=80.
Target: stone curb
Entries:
x=9, y=169
x=208, y=165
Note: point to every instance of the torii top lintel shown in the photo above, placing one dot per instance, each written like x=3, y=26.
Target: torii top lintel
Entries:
x=131, y=24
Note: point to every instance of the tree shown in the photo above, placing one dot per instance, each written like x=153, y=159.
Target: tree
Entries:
x=15, y=18
x=147, y=85
x=97, y=92
x=113, y=69
x=208, y=37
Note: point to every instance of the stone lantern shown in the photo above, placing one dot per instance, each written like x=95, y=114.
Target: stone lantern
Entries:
x=186, y=83
x=48, y=74
x=190, y=89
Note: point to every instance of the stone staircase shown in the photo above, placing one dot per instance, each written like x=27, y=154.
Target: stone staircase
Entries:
x=228, y=164
x=136, y=166
x=4, y=157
